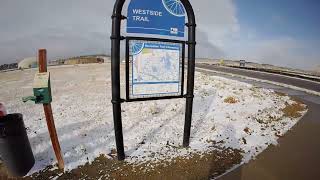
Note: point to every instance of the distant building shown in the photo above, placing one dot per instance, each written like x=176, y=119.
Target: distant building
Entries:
x=28, y=63
x=242, y=63
x=83, y=60
x=57, y=62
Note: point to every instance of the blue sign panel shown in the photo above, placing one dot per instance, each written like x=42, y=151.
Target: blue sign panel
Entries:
x=160, y=17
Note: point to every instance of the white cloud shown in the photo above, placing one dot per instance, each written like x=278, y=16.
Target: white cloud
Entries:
x=65, y=28
x=217, y=19
x=69, y=27
x=287, y=52
x=77, y=27
x=281, y=51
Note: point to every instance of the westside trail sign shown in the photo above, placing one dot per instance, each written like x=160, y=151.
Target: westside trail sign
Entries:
x=154, y=66
x=160, y=17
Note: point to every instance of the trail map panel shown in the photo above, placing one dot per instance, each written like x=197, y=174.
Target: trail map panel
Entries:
x=155, y=69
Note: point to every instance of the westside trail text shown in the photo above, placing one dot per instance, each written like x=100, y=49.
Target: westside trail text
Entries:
x=143, y=14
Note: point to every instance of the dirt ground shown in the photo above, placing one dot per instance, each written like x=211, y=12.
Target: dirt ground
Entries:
x=197, y=166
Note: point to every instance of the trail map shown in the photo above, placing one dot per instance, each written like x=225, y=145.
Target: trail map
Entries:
x=156, y=69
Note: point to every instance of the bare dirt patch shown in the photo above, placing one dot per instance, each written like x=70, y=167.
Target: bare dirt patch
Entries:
x=195, y=166
x=231, y=100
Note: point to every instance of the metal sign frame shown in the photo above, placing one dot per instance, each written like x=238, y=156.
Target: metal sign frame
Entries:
x=182, y=43
x=116, y=37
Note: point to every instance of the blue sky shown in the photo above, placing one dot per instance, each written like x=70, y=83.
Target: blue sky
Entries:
x=295, y=18
x=279, y=32
x=291, y=25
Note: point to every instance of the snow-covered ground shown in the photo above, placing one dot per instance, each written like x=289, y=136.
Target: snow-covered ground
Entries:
x=152, y=130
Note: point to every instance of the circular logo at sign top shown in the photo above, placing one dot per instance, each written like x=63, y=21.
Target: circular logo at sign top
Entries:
x=174, y=7
x=137, y=48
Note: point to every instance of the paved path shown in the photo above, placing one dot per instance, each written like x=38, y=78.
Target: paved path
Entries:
x=297, y=156
x=315, y=86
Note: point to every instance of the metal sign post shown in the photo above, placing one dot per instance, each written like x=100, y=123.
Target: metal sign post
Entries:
x=154, y=18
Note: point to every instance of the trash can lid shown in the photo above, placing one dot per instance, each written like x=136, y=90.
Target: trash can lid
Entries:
x=3, y=111
x=12, y=125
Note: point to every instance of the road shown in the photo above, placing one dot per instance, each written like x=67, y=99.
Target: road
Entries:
x=315, y=86
x=297, y=156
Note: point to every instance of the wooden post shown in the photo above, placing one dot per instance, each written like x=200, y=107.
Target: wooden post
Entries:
x=48, y=113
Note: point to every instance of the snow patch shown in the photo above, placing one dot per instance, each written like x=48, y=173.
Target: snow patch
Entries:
x=152, y=130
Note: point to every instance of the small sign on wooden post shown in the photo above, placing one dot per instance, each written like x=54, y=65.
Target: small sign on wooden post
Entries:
x=48, y=113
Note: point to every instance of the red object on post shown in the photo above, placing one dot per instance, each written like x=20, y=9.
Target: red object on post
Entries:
x=3, y=111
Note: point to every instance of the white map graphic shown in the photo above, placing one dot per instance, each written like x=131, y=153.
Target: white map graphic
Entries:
x=156, y=70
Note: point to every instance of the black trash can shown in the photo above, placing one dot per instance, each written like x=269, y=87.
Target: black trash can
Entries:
x=15, y=149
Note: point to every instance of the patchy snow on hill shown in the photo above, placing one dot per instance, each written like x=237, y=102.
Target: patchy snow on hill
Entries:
x=227, y=113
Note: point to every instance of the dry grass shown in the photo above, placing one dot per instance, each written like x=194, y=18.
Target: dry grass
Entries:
x=231, y=100
x=294, y=110
x=280, y=93
x=247, y=130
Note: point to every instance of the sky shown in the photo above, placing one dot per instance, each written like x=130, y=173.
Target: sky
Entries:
x=278, y=32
